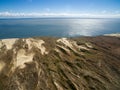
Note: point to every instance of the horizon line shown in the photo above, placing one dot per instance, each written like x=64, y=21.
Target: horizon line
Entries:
x=51, y=15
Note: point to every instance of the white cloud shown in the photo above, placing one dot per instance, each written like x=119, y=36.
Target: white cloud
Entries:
x=48, y=14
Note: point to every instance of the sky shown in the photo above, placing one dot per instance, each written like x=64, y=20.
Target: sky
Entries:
x=60, y=8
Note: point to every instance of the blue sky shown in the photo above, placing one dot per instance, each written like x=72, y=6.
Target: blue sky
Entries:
x=93, y=8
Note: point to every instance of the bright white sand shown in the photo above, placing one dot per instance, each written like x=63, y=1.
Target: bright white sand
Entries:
x=9, y=43
x=22, y=58
x=36, y=43
x=72, y=44
x=65, y=42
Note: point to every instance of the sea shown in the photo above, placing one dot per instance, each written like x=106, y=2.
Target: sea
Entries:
x=57, y=27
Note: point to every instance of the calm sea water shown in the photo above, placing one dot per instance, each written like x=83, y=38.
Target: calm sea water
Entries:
x=14, y=28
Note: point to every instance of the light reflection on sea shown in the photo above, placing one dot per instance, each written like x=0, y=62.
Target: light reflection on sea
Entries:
x=14, y=28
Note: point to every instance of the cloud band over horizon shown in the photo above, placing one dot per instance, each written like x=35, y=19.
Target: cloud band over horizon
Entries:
x=48, y=14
